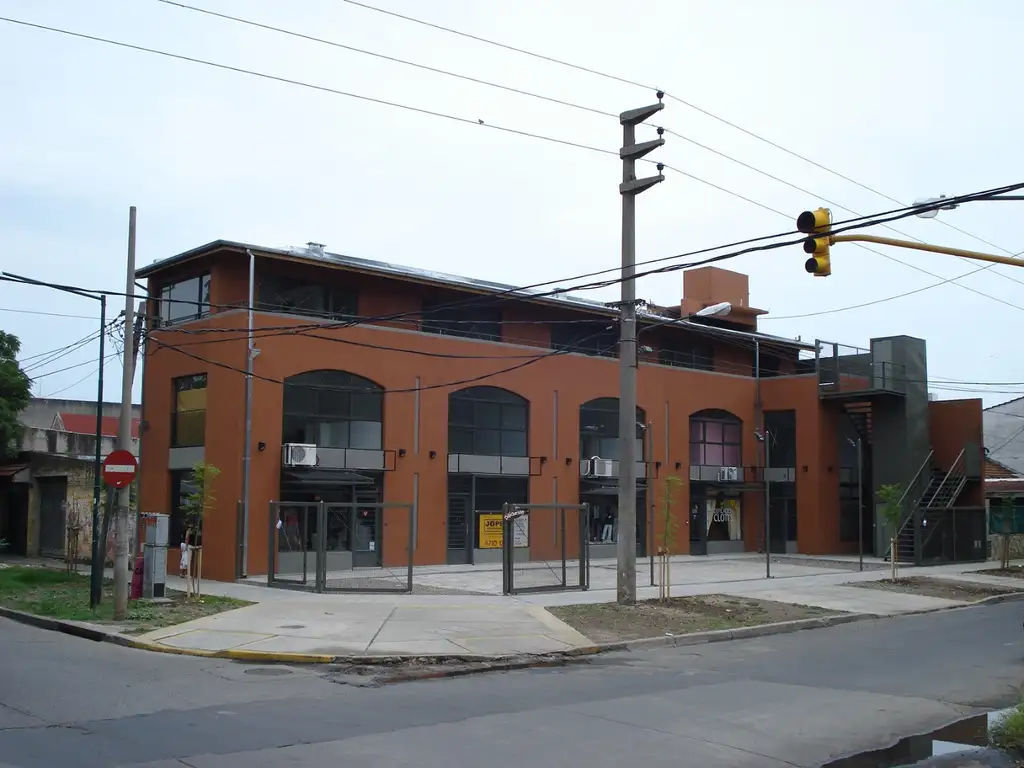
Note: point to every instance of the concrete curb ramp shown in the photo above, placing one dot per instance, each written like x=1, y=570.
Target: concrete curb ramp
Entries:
x=480, y=663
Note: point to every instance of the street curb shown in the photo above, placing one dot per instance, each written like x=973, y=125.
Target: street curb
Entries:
x=481, y=663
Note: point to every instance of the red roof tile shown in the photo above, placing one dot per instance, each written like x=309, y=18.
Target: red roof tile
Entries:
x=85, y=424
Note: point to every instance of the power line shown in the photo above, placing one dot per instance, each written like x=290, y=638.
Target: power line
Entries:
x=603, y=113
x=62, y=390
x=668, y=95
x=70, y=367
x=47, y=314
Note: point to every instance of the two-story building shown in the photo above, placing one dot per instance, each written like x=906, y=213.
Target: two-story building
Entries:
x=377, y=383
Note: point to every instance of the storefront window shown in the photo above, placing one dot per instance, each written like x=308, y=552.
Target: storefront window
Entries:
x=723, y=520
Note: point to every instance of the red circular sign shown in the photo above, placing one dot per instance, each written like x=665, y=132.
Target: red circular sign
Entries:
x=119, y=468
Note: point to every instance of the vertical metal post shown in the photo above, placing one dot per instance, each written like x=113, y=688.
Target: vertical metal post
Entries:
x=96, y=572
x=124, y=432
x=628, y=190
x=250, y=353
x=649, y=490
x=767, y=507
x=860, y=504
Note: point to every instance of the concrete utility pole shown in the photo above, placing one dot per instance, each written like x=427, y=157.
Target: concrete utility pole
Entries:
x=124, y=432
x=630, y=187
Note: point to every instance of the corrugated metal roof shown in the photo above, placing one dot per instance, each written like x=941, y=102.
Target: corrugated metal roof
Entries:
x=319, y=255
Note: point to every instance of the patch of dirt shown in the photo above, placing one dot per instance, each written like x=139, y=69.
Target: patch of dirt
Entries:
x=610, y=622
x=1013, y=572
x=946, y=589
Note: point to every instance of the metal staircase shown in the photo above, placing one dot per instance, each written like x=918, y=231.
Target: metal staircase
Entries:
x=859, y=413
x=943, y=490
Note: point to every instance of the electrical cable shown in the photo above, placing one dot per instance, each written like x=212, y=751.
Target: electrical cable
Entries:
x=71, y=367
x=670, y=96
x=562, y=102
x=47, y=314
x=72, y=386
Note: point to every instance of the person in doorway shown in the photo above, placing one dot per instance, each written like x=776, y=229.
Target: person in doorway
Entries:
x=608, y=531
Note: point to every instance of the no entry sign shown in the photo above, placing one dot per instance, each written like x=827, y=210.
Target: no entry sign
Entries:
x=119, y=468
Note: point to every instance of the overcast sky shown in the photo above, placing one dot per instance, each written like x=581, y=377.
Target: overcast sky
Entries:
x=912, y=98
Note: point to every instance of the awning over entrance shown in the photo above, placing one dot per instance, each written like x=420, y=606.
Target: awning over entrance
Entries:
x=316, y=477
x=10, y=470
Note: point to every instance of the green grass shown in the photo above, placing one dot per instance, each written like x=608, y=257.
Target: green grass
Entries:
x=59, y=595
x=1008, y=733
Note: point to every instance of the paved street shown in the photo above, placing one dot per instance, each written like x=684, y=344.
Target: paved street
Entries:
x=796, y=699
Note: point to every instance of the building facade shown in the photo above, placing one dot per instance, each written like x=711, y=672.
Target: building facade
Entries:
x=377, y=384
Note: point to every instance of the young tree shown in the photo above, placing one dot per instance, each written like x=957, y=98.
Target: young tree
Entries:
x=668, y=536
x=15, y=392
x=198, y=503
x=892, y=513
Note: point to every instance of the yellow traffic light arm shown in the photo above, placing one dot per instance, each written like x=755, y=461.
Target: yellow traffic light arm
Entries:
x=975, y=255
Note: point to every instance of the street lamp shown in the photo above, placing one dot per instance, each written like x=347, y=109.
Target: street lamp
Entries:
x=932, y=213
x=860, y=503
x=96, y=573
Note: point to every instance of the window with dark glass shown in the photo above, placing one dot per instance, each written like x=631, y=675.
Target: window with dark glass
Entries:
x=781, y=426
x=185, y=300
x=598, y=337
x=293, y=296
x=488, y=421
x=181, y=487
x=333, y=409
x=715, y=440
x=599, y=429
x=468, y=322
x=697, y=355
x=188, y=425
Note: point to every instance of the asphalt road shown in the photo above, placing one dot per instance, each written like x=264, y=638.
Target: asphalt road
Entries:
x=799, y=699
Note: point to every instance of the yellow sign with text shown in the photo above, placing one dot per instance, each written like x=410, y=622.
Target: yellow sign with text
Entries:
x=490, y=531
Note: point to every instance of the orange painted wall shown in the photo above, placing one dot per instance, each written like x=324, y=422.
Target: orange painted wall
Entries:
x=954, y=423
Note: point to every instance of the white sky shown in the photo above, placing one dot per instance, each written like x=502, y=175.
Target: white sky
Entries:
x=911, y=97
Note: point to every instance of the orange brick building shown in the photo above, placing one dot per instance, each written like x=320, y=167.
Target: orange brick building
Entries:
x=456, y=395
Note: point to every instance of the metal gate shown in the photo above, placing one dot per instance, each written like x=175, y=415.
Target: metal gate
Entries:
x=545, y=548
x=340, y=547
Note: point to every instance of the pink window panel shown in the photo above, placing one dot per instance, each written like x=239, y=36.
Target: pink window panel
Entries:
x=714, y=455
x=713, y=432
x=696, y=454
x=732, y=456
x=731, y=433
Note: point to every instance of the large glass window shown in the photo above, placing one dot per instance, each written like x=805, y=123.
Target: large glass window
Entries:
x=488, y=421
x=188, y=425
x=465, y=321
x=181, y=487
x=597, y=337
x=333, y=409
x=723, y=520
x=699, y=356
x=715, y=440
x=599, y=429
x=781, y=426
x=289, y=295
x=185, y=300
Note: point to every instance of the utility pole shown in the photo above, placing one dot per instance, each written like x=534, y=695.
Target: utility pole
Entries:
x=124, y=431
x=98, y=555
x=630, y=187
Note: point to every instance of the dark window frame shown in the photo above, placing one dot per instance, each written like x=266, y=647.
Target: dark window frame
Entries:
x=191, y=382
x=689, y=353
x=607, y=433
x=280, y=293
x=729, y=424
x=482, y=417
x=349, y=399
x=599, y=338
x=175, y=305
x=176, y=524
x=465, y=322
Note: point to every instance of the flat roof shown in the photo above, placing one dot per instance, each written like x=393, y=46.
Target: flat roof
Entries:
x=388, y=269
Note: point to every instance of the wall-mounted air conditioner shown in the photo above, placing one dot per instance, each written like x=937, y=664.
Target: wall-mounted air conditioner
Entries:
x=299, y=454
x=601, y=467
x=729, y=475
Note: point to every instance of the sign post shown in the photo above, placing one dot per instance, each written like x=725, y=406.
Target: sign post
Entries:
x=119, y=469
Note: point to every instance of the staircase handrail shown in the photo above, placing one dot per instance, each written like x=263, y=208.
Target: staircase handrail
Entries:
x=926, y=463
x=953, y=468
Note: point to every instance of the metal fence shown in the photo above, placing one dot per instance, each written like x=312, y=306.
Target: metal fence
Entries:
x=954, y=535
x=1008, y=518
x=545, y=548
x=341, y=547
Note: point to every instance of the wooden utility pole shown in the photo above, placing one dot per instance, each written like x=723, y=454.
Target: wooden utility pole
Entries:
x=124, y=432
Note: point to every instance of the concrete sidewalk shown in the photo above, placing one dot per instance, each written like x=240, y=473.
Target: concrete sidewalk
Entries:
x=291, y=622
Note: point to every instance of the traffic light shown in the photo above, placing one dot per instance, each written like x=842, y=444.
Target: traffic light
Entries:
x=818, y=224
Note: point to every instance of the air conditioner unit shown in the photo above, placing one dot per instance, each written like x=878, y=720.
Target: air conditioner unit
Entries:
x=299, y=454
x=602, y=467
x=729, y=475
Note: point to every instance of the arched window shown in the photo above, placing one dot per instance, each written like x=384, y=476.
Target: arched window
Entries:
x=333, y=409
x=488, y=421
x=716, y=439
x=599, y=428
